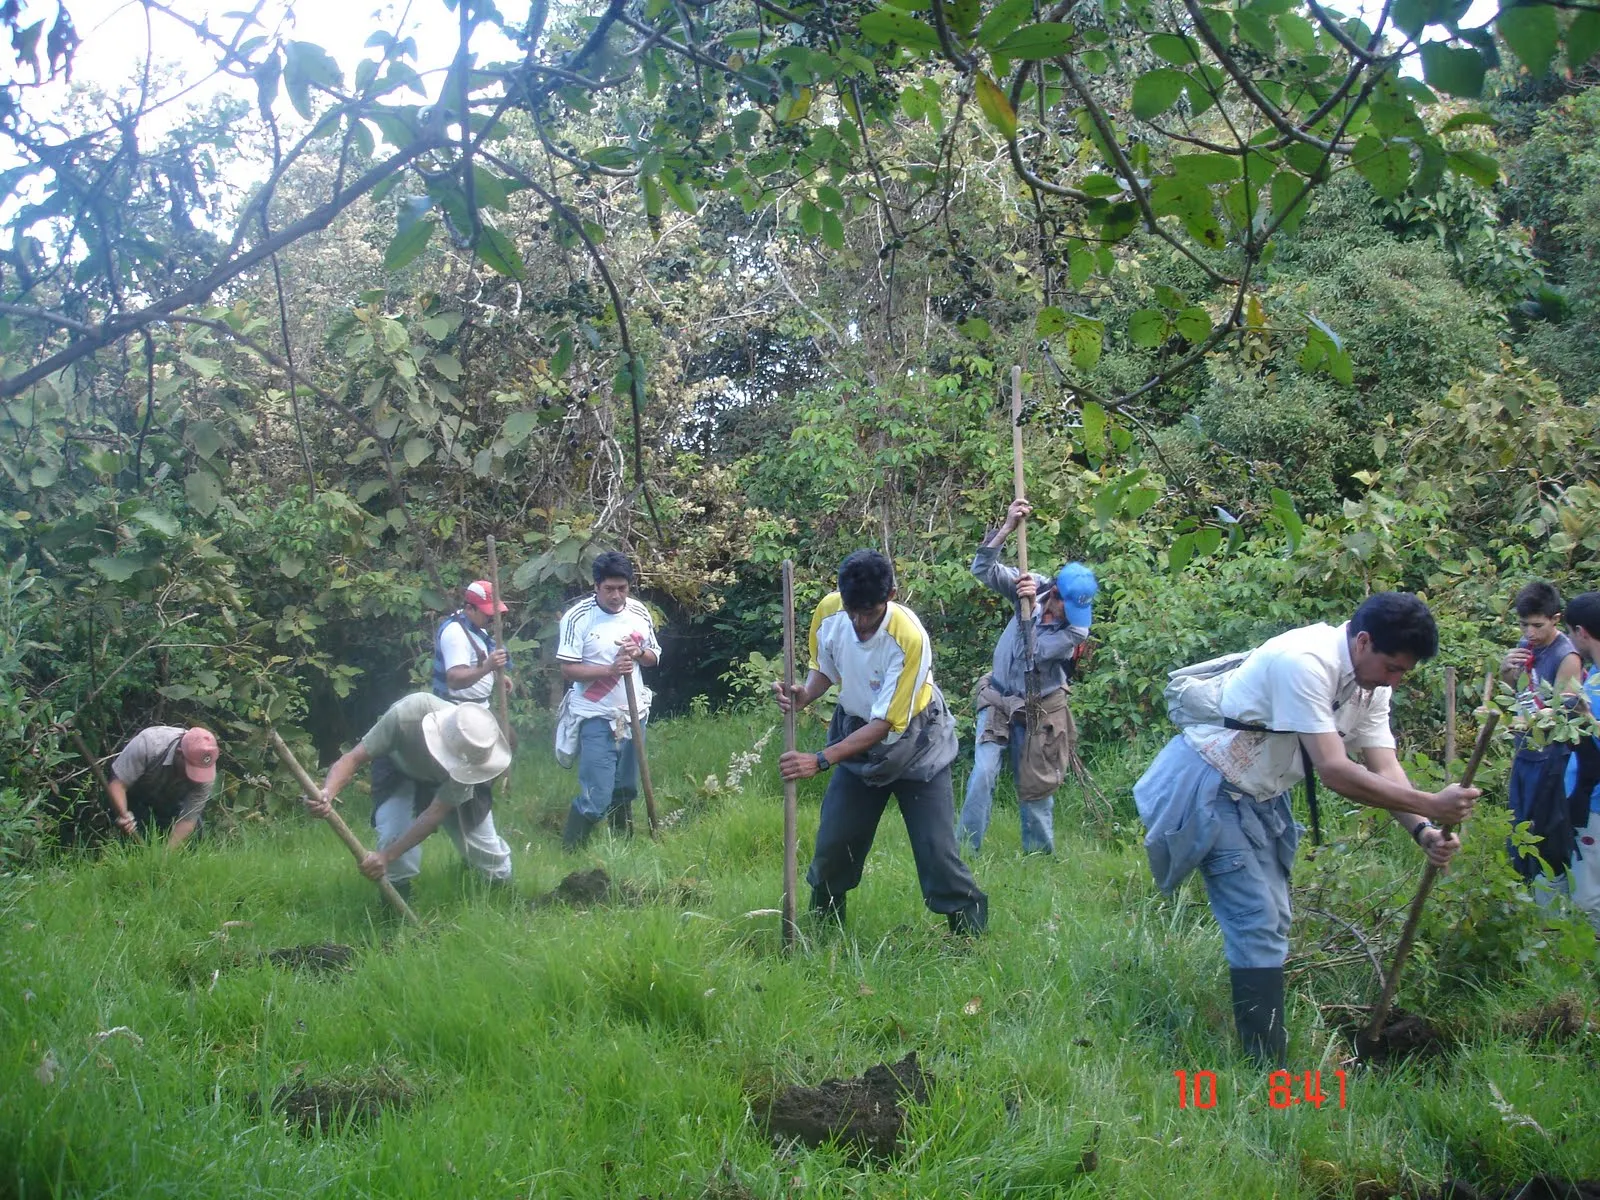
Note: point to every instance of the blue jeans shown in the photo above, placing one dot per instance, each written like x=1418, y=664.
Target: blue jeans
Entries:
x=1247, y=876
x=608, y=773
x=1038, y=816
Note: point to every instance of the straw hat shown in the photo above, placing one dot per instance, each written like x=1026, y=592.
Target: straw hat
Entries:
x=466, y=741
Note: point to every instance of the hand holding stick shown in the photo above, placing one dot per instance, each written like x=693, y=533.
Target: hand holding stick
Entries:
x=638, y=756
x=352, y=843
x=1408, y=935
x=790, y=799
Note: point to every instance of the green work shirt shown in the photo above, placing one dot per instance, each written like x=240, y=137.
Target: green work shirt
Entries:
x=398, y=736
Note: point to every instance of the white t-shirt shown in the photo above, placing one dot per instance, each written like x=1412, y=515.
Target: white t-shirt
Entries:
x=888, y=677
x=1301, y=681
x=590, y=634
x=458, y=648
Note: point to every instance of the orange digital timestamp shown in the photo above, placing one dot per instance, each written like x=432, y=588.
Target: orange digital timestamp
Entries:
x=1285, y=1089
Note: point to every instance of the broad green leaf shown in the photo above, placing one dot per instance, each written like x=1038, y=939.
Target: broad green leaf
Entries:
x=447, y=365
x=891, y=25
x=1147, y=327
x=1080, y=266
x=499, y=254
x=833, y=230
x=518, y=426
x=1256, y=29
x=1179, y=51
x=1180, y=552
x=1051, y=321
x=1047, y=39
x=615, y=157
x=1385, y=165
x=117, y=570
x=1207, y=168
x=203, y=490
x=161, y=522
x=830, y=197
x=407, y=244
x=1094, y=430
x=1283, y=509
x=1532, y=33
x=1286, y=189
x=562, y=358
x=205, y=439
x=1297, y=33
x=810, y=218
x=999, y=24
x=1463, y=120
x=1412, y=16
x=1475, y=165
x=1455, y=71
x=1156, y=91
x=996, y=106
x=1085, y=340
x=1140, y=500
x=1100, y=185
x=208, y=368
x=417, y=451
x=682, y=194
x=1194, y=324
x=1583, y=39
x=977, y=329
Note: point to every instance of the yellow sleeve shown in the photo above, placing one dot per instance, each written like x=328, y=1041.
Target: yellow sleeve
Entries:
x=831, y=603
x=906, y=691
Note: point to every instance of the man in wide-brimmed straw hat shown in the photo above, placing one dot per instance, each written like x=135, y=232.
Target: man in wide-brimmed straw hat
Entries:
x=427, y=755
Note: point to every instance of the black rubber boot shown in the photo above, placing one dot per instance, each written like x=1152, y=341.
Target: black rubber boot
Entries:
x=621, y=815
x=578, y=829
x=970, y=921
x=403, y=887
x=1258, y=1014
x=827, y=907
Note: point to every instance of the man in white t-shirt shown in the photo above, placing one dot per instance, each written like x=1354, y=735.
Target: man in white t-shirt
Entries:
x=1217, y=797
x=891, y=736
x=602, y=637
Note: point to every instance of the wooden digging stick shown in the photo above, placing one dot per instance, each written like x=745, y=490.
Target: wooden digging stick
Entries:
x=790, y=837
x=1380, y=1012
x=312, y=791
x=638, y=755
x=501, y=703
x=99, y=775
x=1024, y=607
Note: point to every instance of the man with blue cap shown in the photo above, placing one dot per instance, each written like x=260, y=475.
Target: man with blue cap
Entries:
x=1063, y=608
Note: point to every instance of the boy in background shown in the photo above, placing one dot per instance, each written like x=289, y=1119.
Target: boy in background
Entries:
x=1583, y=768
x=1544, y=665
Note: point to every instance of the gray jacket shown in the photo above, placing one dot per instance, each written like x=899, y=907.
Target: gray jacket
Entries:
x=1054, y=643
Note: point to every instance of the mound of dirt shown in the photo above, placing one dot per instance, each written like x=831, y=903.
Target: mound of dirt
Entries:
x=580, y=887
x=1405, y=1035
x=352, y=1102
x=325, y=958
x=1562, y=1020
x=864, y=1114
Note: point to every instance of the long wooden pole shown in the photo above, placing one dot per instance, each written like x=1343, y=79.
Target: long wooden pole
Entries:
x=501, y=694
x=1408, y=935
x=790, y=799
x=639, y=756
x=1449, y=721
x=99, y=775
x=1024, y=607
x=312, y=791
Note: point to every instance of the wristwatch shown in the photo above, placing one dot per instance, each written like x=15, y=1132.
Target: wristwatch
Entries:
x=1416, y=830
x=822, y=761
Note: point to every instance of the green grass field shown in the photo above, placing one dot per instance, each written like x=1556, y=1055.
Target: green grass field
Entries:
x=615, y=1051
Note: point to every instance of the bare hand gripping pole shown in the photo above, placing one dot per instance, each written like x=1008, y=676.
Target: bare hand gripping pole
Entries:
x=312, y=791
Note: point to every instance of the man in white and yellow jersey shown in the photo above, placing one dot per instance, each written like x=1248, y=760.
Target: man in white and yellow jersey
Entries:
x=891, y=735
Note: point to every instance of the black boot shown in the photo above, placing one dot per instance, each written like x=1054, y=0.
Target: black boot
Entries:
x=621, y=815
x=578, y=829
x=827, y=907
x=402, y=888
x=1258, y=1014
x=972, y=920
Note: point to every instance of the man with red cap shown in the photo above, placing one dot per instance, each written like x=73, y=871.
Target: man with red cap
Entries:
x=465, y=660
x=163, y=777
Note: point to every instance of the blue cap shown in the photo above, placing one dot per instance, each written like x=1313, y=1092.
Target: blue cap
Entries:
x=1077, y=587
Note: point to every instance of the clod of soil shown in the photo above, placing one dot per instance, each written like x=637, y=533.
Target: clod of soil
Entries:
x=580, y=887
x=339, y=1104
x=863, y=1115
x=1562, y=1020
x=322, y=957
x=1404, y=1035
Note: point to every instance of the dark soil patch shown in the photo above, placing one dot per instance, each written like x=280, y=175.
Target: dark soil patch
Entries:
x=1404, y=1035
x=326, y=958
x=1562, y=1020
x=1540, y=1187
x=340, y=1103
x=864, y=1115
x=580, y=887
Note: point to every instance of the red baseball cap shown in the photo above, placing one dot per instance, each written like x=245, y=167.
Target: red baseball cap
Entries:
x=480, y=594
x=199, y=748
